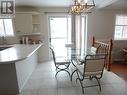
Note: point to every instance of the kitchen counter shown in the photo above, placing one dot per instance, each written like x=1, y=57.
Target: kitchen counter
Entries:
x=17, y=62
x=17, y=52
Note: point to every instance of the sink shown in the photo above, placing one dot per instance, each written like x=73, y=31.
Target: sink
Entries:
x=3, y=47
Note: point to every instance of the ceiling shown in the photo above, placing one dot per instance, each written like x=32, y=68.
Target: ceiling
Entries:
x=108, y=4
x=120, y=4
x=44, y=3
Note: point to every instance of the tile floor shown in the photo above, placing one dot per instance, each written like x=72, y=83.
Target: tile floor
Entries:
x=43, y=82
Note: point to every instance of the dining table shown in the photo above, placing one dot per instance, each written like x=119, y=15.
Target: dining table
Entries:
x=75, y=56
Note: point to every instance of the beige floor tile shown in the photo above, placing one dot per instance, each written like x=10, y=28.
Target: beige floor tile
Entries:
x=48, y=83
x=29, y=92
x=47, y=92
x=43, y=82
x=69, y=91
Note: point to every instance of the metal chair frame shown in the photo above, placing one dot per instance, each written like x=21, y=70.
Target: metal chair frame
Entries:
x=58, y=65
x=97, y=77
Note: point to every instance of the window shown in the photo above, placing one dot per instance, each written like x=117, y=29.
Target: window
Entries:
x=6, y=27
x=121, y=27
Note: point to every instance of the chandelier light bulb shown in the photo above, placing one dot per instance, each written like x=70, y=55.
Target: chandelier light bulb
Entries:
x=80, y=7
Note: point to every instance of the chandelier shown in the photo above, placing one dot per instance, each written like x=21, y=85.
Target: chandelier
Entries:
x=80, y=7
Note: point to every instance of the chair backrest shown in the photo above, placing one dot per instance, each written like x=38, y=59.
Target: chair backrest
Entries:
x=53, y=55
x=94, y=64
x=104, y=47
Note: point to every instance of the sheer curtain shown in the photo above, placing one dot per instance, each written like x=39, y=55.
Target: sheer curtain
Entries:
x=79, y=31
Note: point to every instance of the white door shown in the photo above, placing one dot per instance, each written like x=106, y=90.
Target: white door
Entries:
x=60, y=33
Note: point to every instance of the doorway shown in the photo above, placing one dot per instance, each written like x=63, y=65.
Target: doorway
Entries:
x=60, y=33
x=60, y=30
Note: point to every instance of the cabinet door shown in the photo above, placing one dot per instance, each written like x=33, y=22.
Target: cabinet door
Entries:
x=23, y=23
x=36, y=23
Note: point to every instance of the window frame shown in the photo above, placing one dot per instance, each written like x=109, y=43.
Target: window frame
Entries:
x=5, y=33
x=122, y=27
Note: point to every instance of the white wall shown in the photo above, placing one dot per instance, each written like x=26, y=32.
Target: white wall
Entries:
x=101, y=25
x=44, y=50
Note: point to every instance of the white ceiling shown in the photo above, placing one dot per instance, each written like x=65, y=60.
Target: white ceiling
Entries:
x=108, y=4
x=120, y=4
x=44, y=3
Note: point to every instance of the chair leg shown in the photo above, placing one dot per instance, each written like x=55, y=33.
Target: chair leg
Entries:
x=73, y=74
x=98, y=82
x=56, y=73
x=67, y=72
x=90, y=78
x=81, y=84
x=80, y=80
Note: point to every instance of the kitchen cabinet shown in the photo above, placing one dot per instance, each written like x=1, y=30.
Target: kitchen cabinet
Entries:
x=36, y=27
x=23, y=23
x=28, y=27
x=16, y=66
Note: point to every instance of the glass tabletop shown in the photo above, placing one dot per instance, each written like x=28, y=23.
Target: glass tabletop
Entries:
x=74, y=54
x=77, y=54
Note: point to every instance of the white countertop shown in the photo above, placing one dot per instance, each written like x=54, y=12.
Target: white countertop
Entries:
x=17, y=52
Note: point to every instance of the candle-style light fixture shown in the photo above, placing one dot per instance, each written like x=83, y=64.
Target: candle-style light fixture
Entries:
x=80, y=6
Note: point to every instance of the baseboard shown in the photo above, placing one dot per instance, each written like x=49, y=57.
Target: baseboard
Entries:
x=118, y=60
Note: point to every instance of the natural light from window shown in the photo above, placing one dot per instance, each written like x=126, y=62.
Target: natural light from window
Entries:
x=121, y=27
x=60, y=28
x=6, y=27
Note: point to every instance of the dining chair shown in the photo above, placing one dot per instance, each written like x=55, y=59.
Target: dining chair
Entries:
x=92, y=67
x=92, y=51
x=61, y=63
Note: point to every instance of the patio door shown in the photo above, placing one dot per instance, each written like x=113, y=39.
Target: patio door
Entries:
x=60, y=33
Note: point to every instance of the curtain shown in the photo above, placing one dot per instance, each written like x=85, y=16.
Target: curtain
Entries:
x=79, y=32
